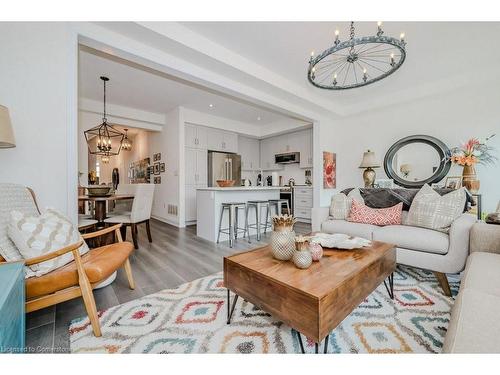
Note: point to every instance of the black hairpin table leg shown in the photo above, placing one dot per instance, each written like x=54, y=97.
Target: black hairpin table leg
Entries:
x=230, y=311
x=390, y=288
x=316, y=345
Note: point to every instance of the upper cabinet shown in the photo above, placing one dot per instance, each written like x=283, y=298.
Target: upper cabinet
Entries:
x=195, y=136
x=300, y=141
x=249, y=150
x=220, y=140
x=268, y=148
x=306, y=148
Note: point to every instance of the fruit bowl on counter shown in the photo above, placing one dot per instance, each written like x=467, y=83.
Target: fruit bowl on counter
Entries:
x=99, y=191
x=225, y=183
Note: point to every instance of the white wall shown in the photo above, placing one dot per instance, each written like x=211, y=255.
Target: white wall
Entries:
x=169, y=142
x=38, y=83
x=452, y=117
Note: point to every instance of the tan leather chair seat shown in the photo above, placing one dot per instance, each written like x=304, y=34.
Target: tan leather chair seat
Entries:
x=99, y=264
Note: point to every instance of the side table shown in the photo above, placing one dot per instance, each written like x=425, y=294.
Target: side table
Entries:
x=12, y=313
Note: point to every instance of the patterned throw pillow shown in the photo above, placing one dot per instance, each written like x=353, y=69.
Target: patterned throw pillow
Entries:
x=340, y=205
x=360, y=213
x=38, y=235
x=433, y=211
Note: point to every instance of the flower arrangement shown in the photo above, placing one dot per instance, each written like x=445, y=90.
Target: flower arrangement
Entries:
x=473, y=152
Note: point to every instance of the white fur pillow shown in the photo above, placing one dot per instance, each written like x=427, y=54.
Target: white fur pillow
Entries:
x=340, y=205
x=38, y=235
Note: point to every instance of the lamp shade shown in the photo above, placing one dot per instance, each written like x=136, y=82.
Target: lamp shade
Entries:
x=369, y=160
x=6, y=133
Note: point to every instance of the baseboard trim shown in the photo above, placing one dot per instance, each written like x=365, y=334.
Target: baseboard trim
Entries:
x=165, y=220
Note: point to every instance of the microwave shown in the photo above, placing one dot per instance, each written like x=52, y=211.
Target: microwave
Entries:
x=287, y=158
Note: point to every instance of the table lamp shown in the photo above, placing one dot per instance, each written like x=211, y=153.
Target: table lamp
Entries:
x=6, y=133
x=369, y=162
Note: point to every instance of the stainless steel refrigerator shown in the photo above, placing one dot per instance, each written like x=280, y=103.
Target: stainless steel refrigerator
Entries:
x=223, y=166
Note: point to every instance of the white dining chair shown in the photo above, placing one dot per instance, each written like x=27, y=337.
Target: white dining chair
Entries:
x=122, y=206
x=140, y=213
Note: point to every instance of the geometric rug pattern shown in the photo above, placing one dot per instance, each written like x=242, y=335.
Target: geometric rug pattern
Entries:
x=192, y=319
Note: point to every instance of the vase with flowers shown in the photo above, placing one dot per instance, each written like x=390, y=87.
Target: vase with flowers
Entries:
x=468, y=155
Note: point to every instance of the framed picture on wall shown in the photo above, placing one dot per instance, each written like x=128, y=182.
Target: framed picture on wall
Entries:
x=158, y=155
x=156, y=168
x=162, y=167
x=157, y=180
x=329, y=170
x=453, y=182
x=384, y=183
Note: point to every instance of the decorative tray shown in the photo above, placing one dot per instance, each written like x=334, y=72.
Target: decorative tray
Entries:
x=340, y=241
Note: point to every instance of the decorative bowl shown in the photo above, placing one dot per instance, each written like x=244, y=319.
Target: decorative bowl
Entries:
x=225, y=183
x=98, y=191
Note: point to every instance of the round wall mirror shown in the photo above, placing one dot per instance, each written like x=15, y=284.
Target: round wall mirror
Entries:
x=417, y=160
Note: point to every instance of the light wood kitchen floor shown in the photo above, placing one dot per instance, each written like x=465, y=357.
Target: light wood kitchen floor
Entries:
x=176, y=256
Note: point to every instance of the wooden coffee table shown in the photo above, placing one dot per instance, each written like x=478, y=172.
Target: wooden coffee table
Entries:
x=312, y=301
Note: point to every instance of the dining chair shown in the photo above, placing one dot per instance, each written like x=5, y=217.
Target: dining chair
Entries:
x=140, y=213
x=122, y=206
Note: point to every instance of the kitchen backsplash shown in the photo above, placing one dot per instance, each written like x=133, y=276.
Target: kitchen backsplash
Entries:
x=289, y=171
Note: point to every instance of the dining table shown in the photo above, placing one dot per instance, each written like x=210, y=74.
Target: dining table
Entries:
x=101, y=203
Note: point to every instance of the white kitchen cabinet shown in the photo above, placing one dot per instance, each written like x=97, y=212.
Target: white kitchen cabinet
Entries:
x=306, y=149
x=302, y=203
x=195, y=136
x=249, y=149
x=268, y=148
x=196, y=177
x=220, y=140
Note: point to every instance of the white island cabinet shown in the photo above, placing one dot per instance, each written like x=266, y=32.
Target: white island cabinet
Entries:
x=209, y=201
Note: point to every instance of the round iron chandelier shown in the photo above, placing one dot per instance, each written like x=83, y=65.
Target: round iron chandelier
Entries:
x=357, y=62
x=104, y=139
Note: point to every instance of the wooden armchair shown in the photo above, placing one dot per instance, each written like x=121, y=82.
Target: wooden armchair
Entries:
x=79, y=277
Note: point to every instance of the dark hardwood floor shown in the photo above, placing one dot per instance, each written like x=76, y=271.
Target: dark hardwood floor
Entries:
x=176, y=256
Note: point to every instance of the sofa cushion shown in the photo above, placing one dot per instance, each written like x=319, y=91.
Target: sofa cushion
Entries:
x=482, y=273
x=433, y=211
x=414, y=238
x=361, y=213
x=340, y=205
x=346, y=227
x=474, y=324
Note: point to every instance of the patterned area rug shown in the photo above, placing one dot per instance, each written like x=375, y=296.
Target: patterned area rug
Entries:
x=192, y=319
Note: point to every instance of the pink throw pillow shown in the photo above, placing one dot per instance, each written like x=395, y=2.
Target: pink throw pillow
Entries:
x=361, y=213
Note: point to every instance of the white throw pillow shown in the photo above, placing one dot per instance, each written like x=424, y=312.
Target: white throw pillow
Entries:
x=431, y=210
x=38, y=235
x=340, y=205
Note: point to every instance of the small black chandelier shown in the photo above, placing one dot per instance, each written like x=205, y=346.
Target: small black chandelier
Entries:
x=358, y=61
x=108, y=140
x=127, y=143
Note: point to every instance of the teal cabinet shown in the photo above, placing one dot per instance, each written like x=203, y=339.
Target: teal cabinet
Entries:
x=12, y=315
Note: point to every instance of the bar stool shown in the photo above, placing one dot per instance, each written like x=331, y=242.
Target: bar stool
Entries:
x=258, y=205
x=278, y=204
x=233, y=229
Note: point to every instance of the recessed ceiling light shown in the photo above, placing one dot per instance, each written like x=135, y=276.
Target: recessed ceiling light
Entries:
x=211, y=105
x=258, y=118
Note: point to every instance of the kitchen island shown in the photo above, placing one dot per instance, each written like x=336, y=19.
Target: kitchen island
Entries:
x=210, y=199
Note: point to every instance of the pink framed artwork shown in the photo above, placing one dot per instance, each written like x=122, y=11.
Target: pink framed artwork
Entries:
x=329, y=170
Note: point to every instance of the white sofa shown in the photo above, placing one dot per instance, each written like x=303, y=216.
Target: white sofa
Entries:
x=474, y=326
x=418, y=247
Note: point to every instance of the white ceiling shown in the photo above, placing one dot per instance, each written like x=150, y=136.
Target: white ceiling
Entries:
x=136, y=87
x=438, y=53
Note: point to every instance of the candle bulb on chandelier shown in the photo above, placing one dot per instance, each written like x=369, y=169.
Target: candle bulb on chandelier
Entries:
x=311, y=58
x=337, y=41
x=379, y=28
x=392, y=59
x=335, y=79
x=365, y=76
x=402, y=37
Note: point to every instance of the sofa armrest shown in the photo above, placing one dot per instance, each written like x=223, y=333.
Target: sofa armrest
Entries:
x=459, y=241
x=485, y=237
x=318, y=215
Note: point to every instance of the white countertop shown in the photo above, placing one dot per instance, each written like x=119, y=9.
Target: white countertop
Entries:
x=240, y=188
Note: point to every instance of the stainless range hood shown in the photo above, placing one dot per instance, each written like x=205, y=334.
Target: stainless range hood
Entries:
x=287, y=158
